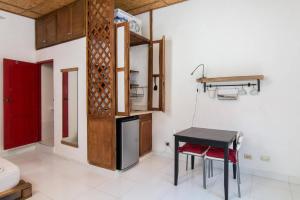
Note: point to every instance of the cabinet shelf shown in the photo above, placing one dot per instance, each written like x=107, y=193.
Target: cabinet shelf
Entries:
x=136, y=39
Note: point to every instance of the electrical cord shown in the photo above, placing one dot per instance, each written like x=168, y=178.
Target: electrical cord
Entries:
x=196, y=104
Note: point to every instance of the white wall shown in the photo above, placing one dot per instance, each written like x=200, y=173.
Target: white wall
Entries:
x=17, y=41
x=47, y=97
x=235, y=37
x=69, y=55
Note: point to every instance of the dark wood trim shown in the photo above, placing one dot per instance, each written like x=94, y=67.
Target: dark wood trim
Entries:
x=69, y=143
x=22, y=191
x=150, y=64
x=73, y=69
x=162, y=74
x=75, y=38
x=123, y=68
x=136, y=39
x=46, y=62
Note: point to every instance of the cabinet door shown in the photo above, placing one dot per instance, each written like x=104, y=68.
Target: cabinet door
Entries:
x=156, y=93
x=78, y=19
x=145, y=134
x=122, y=69
x=40, y=33
x=64, y=31
x=50, y=26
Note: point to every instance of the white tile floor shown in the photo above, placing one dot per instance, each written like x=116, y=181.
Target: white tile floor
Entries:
x=59, y=179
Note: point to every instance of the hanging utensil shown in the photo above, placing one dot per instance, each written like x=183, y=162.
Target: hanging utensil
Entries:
x=155, y=85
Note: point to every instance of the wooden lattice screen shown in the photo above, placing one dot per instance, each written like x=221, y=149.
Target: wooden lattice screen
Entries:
x=101, y=84
x=100, y=44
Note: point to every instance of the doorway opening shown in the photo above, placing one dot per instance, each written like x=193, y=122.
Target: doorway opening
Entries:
x=47, y=103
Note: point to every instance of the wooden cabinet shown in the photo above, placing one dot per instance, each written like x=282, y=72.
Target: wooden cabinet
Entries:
x=71, y=23
x=78, y=19
x=64, y=28
x=145, y=134
x=46, y=31
x=62, y=25
x=156, y=70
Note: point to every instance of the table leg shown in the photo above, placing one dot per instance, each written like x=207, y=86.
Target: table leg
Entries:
x=176, y=161
x=234, y=165
x=226, y=180
x=193, y=161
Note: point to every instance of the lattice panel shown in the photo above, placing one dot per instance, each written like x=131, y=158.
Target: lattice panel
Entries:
x=100, y=38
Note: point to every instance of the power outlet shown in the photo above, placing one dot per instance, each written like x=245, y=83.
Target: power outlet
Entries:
x=265, y=158
x=247, y=156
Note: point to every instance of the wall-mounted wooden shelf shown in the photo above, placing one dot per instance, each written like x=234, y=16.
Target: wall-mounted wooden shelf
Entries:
x=205, y=81
x=231, y=79
x=136, y=39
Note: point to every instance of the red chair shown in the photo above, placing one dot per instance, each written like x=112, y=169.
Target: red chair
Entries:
x=195, y=150
x=217, y=154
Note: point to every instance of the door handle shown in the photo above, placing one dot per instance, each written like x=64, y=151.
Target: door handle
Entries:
x=7, y=100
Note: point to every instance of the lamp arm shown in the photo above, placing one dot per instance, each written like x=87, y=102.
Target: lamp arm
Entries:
x=197, y=69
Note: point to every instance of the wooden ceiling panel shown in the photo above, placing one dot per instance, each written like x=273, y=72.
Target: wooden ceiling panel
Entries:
x=133, y=4
x=140, y=6
x=24, y=4
x=170, y=2
x=9, y=8
x=50, y=6
x=153, y=6
x=38, y=8
x=31, y=14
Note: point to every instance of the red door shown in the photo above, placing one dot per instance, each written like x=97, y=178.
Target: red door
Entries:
x=21, y=81
x=65, y=104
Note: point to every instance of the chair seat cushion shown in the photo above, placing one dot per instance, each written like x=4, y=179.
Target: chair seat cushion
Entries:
x=195, y=149
x=218, y=153
x=9, y=175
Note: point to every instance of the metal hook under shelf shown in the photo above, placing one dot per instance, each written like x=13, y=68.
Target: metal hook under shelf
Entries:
x=205, y=85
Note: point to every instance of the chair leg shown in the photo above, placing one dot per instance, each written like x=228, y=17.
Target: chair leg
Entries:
x=239, y=180
x=204, y=173
x=187, y=162
x=211, y=168
x=208, y=168
x=239, y=172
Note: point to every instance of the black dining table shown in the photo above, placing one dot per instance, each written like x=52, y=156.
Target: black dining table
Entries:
x=209, y=137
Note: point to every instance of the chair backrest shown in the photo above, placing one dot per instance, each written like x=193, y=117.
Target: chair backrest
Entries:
x=240, y=139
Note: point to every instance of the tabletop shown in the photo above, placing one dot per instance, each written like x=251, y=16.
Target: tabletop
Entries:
x=208, y=134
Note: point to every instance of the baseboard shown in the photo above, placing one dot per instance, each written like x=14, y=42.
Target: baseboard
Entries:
x=245, y=170
x=44, y=148
x=18, y=150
